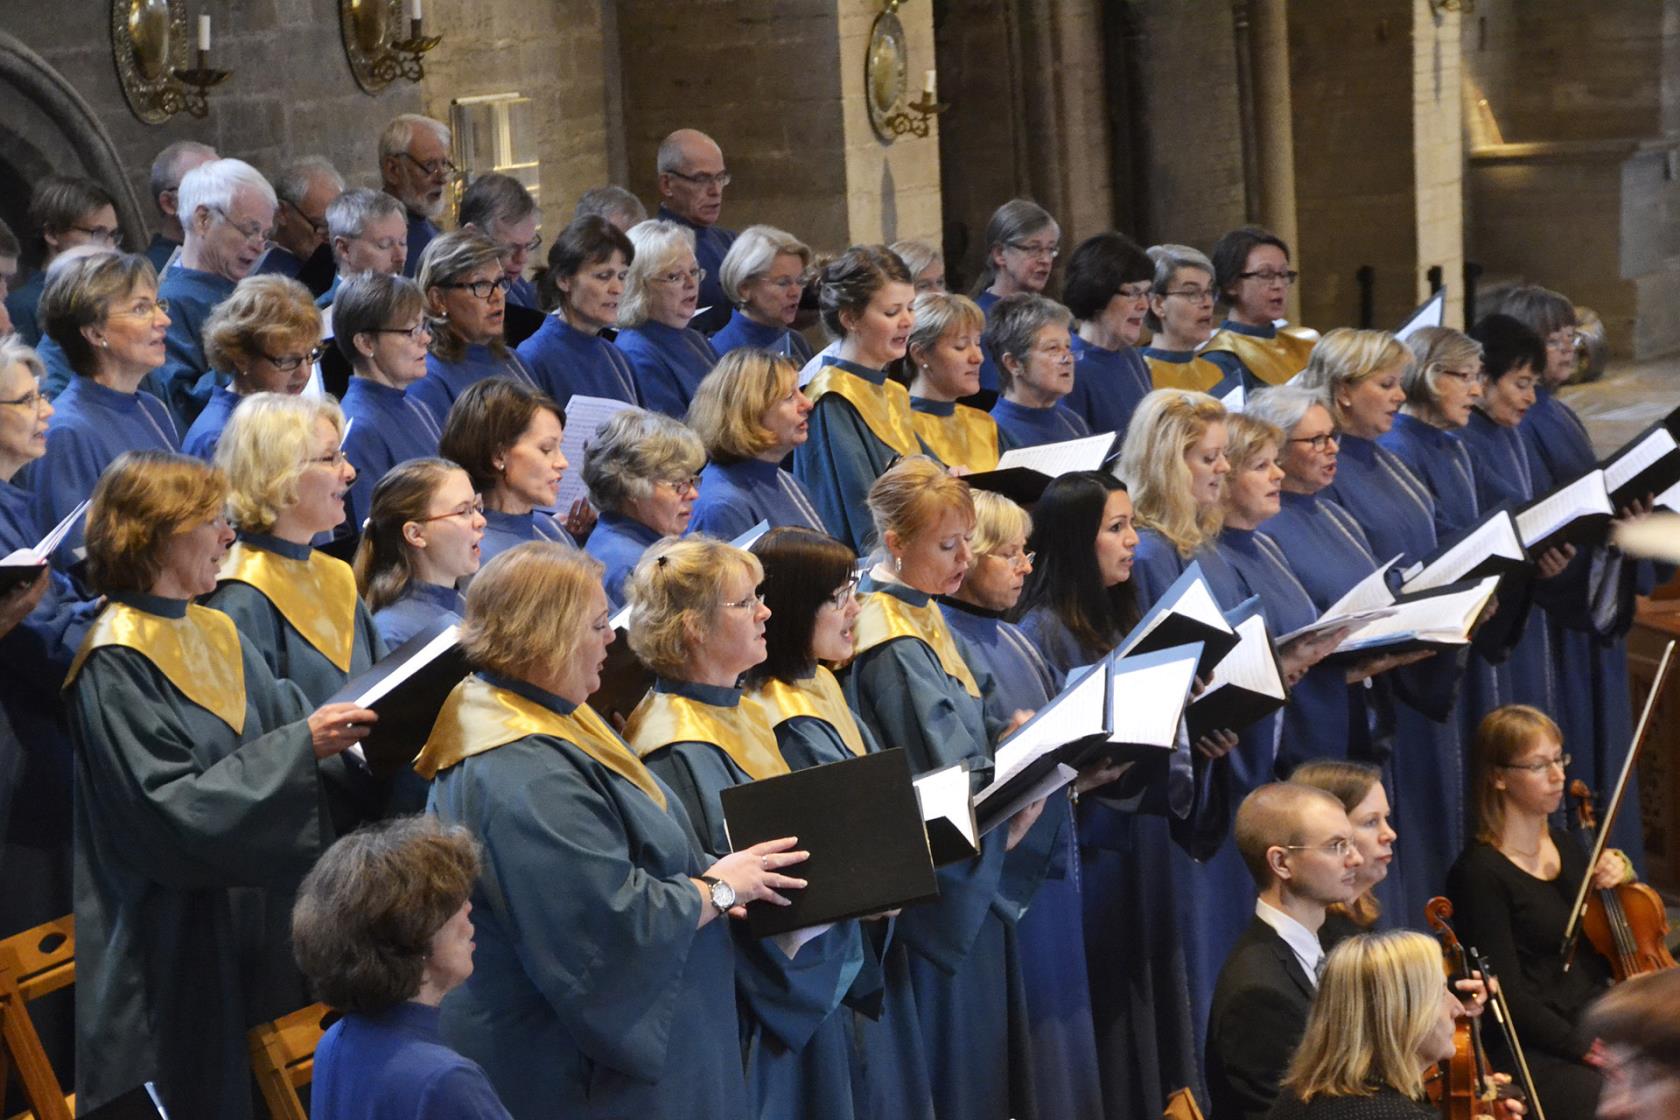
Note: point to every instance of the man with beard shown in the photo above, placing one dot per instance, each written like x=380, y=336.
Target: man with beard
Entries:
x=415, y=168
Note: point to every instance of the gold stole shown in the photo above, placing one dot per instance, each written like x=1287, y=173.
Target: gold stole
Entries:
x=1273, y=360
x=1198, y=375
x=819, y=698
x=317, y=596
x=885, y=617
x=479, y=717
x=966, y=438
x=885, y=408
x=663, y=718
x=199, y=654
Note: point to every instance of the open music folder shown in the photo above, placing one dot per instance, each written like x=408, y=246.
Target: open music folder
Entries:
x=407, y=688
x=1435, y=619
x=1022, y=474
x=1246, y=686
x=1577, y=513
x=1646, y=466
x=948, y=814
x=1492, y=548
x=26, y=564
x=1186, y=613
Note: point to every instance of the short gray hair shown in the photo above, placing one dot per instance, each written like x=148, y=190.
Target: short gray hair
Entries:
x=496, y=200
x=754, y=251
x=213, y=185
x=166, y=168
x=917, y=254
x=14, y=351
x=297, y=177
x=609, y=202
x=349, y=213
x=399, y=134
x=1283, y=406
x=1013, y=326
x=657, y=242
x=1435, y=349
x=1168, y=260
x=632, y=451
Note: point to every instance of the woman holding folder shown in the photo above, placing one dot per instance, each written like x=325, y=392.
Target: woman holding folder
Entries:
x=698, y=622
x=602, y=983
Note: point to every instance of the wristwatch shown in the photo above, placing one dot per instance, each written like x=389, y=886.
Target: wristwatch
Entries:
x=723, y=895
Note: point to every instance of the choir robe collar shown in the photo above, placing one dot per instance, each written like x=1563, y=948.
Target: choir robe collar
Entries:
x=882, y=404
x=737, y=494
x=957, y=435
x=1269, y=354
x=87, y=392
x=689, y=712
x=1179, y=369
x=894, y=610
x=1508, y=475
x=816, y=695
x=435, y=594
x=195, y=647
x=1027, y=426
x=1265, y=570
x=315, y=593
x=584, y=363
x=1020, y=676
x=1107, y=385
x=741, y=330
x=1327, y=549
x=1443, y=462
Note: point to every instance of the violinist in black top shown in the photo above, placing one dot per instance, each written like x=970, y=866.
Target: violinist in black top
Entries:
x=1513, y=888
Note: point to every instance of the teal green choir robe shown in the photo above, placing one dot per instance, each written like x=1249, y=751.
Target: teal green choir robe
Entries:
x=859, y=425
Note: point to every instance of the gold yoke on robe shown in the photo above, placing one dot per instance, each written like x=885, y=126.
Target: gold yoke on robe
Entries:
x=316, y=596
x=885, y=408
x=1198, y=375
x=885, y=617
x=1272, y=360
x=199, y=654
x=966, y=438
x=742, y=732
x=818, y=697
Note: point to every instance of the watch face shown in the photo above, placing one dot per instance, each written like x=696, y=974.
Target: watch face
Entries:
x=723, y=895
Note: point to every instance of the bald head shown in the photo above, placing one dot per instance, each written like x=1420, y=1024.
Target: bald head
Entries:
x=692, y=176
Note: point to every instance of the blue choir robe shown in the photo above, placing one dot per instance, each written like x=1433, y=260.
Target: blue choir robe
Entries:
x=593, y=993
x=618, y=542
x=444, y=381
x=700, y=740
x=813, y=727
x=1107, y=386
x=278, y=262
x=206, y=431
x=911, y=687
x=711, y=245
x=184, y=380
x=741, y=332
x=325, y=299
x=1056, y=1018
x=1183, y=369
x=1440, y=460
x=160, y=250
x=566, y=362
x=35, y=657
x=57, y=363
x=669, y=364
x=736, y=495
x=394, y=1062
x=504, y=530
x=420, y=605
x=989, y=381
x=91, y=425
x=1260, y=356
x=1025, y=426
x=859, y=425
x=957, y=435
x=385, y=427
x=421, y=230
x=522, y=293
x=199, y=808
x=21, y=303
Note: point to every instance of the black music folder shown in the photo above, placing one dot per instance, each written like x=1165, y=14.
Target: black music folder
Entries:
x=953, y=835
x=1647, y=465
x=861, y=822
x=1246, y=686
x=1185, y=614
x=1022, y=474
x=407, y=688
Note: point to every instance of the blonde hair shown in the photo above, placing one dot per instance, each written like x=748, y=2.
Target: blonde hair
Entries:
x=445, y=260
x=997, y=521
x=142, y=500
x=658, y=242
x=675, y=589
x=528, y=608
x=728, y=408
x=1346, y=357
x=1166, y=425
x=1378, y=1001
x=1503, y=734
x=265, y=314
x=917, y=255
x=265, y=449
x=1435, y=349
x=939, y=313
x=1246, y=435
x=910, y=496
x=753, y=254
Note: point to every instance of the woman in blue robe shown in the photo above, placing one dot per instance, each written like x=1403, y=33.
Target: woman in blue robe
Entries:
x=102, y=413
x=1251, y=267
x=698, y=624
x=661, y=294
x=944, y=355
x=1107, y=290
x=614, y=995
x=763, y=277
x=1029, y=338
x=643, y=473
x=200, y=804
x=1180, y=317
x=466, y=303
x=810, y=585
x=380, y=328
x=860, y=420
x=587, y=265
x=1022, y=244
x=422, y=539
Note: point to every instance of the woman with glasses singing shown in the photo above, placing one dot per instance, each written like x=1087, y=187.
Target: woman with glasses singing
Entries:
x=643, y=474
x=266, y=335
x=466, y=304
x=764, y=276
x=1022, y=244
x=421, y=541
x=944, y=356
x=1107, y=288
x=661, y=296
x=1028, y=336
x=103, y=311
x=1443, y=385
x=587, y=269
x=1180, y=319
x=1251, y=266
x=64, y=212
x=1512, y=890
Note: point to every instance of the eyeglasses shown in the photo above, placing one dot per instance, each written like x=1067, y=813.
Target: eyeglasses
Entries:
x=1035, y=250
x=704, y=182
x=433, y=167
x=293, y=361
x=680, y=276
x=531, y=246
x=1339, y=847
x=483, y=289
x=1269, y=277
x=689, y=484
x=1561, y=761
x=1194, y=295
x=1021, y=560
x=1134, y=292
x=334, y=458
x=35, y=400
x=750, y=603
x=144, y=309
x=843, y=594
x=106, y=234
x=420, y=330
x=1055, y=353
x=319, y=225
x=252, y=231
x=469, y=510
x=1562, y=341
x=1460, y=374
x=1319, y=442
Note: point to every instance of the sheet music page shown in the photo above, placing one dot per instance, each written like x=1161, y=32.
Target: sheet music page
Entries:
x=1251, y=665
x=1586, y=495
x=1431, y=314
x=1193, y=599
x=585, y=416
x=1147, y=695
x=1646, y=452
x=943, y=795
x=1497, y=536
x=1076, y=713
x=621, y=620
x=25, y=557
x=1055, y=459
x=1438, y=618
x=426, y=655
x=1235, y=399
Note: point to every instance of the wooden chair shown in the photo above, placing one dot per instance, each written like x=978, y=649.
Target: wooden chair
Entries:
x=283, y=1057
x=35, y=963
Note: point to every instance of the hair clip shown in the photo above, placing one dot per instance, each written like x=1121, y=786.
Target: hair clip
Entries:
x=660, y=562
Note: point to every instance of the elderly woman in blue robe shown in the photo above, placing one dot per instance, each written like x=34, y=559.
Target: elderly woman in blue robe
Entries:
x=661, y=295
x=643, y=473
x=1030, y=338
x=763, y=275
x=603, y=979
x=1107, y=288
x=199, y=806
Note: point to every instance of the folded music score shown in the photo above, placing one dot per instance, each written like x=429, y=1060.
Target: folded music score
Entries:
x=26, y=564
x=1022, y=473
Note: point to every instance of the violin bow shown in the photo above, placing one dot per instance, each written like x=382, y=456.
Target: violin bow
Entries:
x=1607, y=814
x=1507, y=1027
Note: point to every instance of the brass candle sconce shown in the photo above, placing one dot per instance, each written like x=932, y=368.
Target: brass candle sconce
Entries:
x=886, y=74
x=149, y=46
x=377, y=57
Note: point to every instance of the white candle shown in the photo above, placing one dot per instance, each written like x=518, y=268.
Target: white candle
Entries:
x=928, y=87
x=413, y=9
x=204, y=33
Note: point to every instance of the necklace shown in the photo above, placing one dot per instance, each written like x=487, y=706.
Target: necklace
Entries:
x=1512, y=849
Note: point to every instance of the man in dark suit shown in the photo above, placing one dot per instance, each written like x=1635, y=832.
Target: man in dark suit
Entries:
x=1298, y=844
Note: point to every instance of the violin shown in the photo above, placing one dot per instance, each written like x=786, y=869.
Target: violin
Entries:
x=1464, y=1086
x=1627, y=924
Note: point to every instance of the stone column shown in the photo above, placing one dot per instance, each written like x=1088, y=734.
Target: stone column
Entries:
x=1274, y=130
